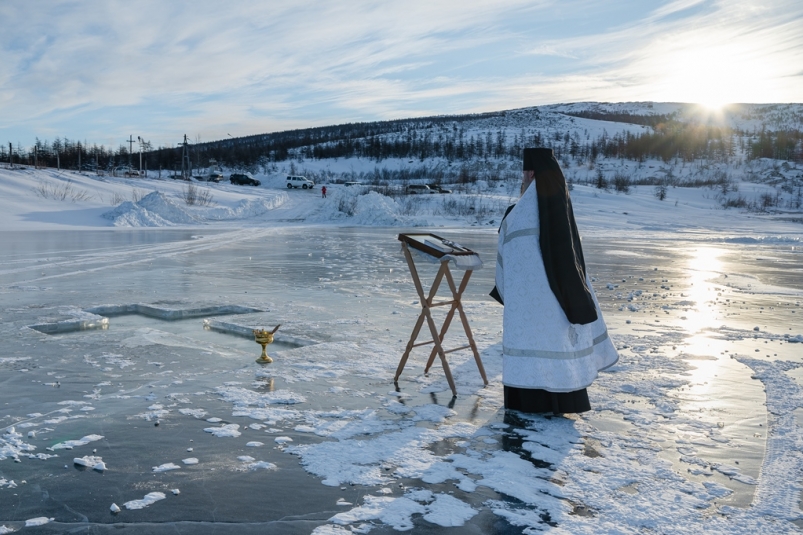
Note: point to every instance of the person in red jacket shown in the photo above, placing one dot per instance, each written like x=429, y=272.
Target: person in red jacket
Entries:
x=323, y=192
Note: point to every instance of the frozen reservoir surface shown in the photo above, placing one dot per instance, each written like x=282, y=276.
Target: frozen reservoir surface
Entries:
x=130, y=401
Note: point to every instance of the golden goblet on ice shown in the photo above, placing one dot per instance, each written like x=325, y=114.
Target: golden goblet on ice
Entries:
x=263, y=338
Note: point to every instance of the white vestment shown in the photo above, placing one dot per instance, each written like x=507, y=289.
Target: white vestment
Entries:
x=541, y=349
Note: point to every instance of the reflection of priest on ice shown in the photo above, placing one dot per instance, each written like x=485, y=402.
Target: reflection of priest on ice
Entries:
x=555, y=340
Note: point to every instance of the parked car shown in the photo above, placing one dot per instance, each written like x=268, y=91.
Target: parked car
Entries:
x=213, y=176
x=437, y=188
x=125, y=171
x=299, y=182
x=415, y=189
x=244, y=179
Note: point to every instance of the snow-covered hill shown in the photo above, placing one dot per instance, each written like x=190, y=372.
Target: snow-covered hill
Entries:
x=745, y=117
x=47, y=199
x=719, y=183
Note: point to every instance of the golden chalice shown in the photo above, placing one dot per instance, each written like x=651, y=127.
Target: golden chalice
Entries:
x=264, y=338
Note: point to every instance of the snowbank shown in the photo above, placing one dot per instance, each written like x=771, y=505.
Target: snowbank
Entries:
x=246, y=208
x=153, y=210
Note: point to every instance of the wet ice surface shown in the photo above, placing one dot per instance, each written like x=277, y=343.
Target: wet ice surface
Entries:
x=696, y=428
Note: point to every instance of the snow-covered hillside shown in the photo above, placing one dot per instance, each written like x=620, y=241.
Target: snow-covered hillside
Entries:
x=46, y=199
x=613, y=155
x=746, y=117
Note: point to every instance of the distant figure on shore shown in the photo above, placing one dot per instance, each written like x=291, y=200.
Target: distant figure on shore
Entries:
x=323, y=192
x=554, y=338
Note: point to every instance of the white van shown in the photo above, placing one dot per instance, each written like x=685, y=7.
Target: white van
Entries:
x=299, y=182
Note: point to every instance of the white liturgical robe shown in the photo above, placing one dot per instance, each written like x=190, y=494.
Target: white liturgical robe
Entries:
x=541, y=348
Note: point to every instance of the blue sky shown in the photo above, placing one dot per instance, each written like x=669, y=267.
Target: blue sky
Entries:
x=101, y=70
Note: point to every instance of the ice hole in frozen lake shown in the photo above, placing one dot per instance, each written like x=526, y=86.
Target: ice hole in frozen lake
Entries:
x=181, y=322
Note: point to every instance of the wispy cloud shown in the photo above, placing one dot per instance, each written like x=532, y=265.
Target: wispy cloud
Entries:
x=103, y=69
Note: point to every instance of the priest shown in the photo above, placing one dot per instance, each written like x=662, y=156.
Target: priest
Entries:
x=554, y=339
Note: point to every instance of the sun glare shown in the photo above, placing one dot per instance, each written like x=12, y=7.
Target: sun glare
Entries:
x=713, y=106
x=713, y=76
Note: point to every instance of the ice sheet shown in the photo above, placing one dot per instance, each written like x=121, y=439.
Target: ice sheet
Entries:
x=679, y=435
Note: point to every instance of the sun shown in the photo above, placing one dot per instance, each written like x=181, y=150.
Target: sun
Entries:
x=713, y=105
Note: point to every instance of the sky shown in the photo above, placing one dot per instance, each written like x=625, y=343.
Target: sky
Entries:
x=103, y=70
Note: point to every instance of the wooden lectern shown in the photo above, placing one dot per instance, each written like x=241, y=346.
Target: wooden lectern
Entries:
x=443, y=250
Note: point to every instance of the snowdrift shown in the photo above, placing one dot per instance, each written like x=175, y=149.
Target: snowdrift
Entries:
x=153, y=210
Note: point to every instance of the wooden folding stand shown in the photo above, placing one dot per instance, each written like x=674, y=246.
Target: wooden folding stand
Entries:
x=438, y=248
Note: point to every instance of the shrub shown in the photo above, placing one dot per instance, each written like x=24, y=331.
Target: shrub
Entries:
x=466, y=176
x=61, y=192
x=410, y=204
x=479, y=207
x=601, y=182
x=735, y=202
x=768, y=200
x=189, y=194
x=621, y=182
x=193, y=195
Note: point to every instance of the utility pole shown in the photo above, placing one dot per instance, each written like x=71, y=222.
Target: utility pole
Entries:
x=183, y=151
x=79, y=156
x=185, y=160
x=10, y=155
x=130, y=148
x=140, y=155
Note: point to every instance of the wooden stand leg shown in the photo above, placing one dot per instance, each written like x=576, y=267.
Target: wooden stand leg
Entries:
x=413, y=338
x=446, y=370
x=459, y=305
x=456, y=294
x=447, y=322
x=426, y=314
x=426, y=302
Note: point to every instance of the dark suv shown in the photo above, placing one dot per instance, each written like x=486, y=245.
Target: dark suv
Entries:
x=244, y=179
x=437, y=188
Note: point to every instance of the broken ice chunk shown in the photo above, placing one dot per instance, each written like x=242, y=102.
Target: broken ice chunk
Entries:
x=166, y=467
x=90, y=461
x=228, y=430
x=150, y=498
x=38, y=521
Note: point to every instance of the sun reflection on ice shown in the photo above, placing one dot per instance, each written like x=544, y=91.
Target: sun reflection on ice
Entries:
x=704, y=267
x=719, y=395
x=704, y=312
